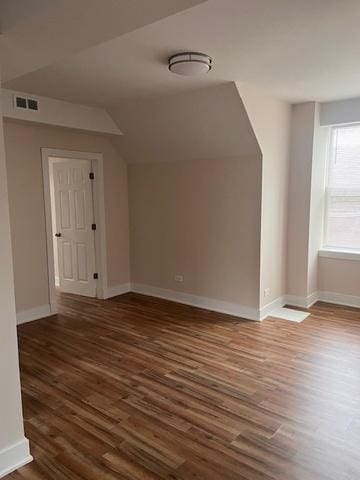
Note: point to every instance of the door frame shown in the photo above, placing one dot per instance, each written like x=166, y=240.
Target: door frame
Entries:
x=97, y=163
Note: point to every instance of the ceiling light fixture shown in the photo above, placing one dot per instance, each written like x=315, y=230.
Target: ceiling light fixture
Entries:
x=190, y=63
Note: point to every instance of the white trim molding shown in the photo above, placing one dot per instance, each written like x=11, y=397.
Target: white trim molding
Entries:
x=302, y=302
x=116, y=290
x=14, y=457
x=220, y=306
x=340, y=254
x=291, y=300
x=328, y=297
x=33, y=314
x=99, y=212
x=340, y=299
x=270, y=307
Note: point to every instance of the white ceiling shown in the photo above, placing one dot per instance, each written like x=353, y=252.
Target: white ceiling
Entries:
x=297, y=50
x=36, y=33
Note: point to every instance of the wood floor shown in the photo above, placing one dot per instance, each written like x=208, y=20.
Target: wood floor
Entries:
x=137, y=388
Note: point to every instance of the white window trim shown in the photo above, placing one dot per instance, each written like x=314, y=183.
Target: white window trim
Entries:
x=329, y=153
x=340, y=253
x=328, y=251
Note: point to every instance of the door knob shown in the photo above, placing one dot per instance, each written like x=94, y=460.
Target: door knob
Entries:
x=57, y=234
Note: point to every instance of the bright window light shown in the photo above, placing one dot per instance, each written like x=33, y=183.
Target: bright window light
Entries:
x=342, y=215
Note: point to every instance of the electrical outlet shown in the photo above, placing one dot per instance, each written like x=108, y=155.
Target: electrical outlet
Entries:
x=179, y=278
x=266, y=292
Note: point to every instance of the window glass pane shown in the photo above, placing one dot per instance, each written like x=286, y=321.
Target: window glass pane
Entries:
x=343, y=189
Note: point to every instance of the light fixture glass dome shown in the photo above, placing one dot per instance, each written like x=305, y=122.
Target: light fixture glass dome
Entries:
x=190, y=63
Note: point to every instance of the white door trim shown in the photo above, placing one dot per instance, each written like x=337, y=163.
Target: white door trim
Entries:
x=99, y=212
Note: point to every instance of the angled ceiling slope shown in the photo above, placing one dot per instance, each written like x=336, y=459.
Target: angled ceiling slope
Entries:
x=37, y=33
x=300, y=51
x=206, y=124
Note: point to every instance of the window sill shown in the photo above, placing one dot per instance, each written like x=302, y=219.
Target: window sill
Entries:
x=341, y=254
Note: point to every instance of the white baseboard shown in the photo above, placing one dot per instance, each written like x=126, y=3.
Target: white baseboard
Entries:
x=340, y=299
x=220, y=306
x=34, y=314
x=14, y=457
x=270, y=307
x=302, y=302
x=116, y=290
x=291, y=300
x=329, y=297
x=196, y=301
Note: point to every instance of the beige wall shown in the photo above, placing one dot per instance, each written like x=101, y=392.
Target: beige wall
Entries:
x=195, y=217
x=23, y=143
x=11, y=424
x=200, y=219
x=270, y=119
x=209, y=123
x=339, y=276
x=195, y=194
x=301, y=157
x=307, y=273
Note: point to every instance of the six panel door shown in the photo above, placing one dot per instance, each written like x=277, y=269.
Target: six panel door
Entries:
x=74, y=218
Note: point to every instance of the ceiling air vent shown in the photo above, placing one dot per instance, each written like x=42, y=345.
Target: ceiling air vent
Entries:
x=26, y=103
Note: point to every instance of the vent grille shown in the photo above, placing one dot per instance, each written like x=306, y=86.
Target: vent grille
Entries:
x=20, y=102
x=25, y=103
x=32, y=104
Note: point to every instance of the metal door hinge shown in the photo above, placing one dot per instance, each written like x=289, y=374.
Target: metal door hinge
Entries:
x=93, y=226
x=91, y=175
x=96, y=276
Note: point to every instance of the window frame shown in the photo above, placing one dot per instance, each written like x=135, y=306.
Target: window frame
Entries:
x=332, y=251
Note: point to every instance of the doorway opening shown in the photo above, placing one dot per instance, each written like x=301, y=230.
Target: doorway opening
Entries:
x=75, y=223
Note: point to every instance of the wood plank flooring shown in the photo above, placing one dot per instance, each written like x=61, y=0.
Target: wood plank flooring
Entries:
x=137, y=388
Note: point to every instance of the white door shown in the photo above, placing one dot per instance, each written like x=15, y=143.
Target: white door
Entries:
x=74, y=219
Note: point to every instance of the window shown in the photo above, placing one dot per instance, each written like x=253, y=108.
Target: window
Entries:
x=342, y=214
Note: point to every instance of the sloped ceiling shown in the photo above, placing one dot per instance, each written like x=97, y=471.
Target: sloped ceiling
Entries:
x=14, y=11
x=210, y=123
x=298, y=50
x=37, y=33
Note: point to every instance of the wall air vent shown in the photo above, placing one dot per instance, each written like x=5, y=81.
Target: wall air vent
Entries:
x=32, y=104
x=20, y=102
x=26, y=103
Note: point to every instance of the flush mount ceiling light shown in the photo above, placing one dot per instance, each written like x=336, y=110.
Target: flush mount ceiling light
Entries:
x=190, y=63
